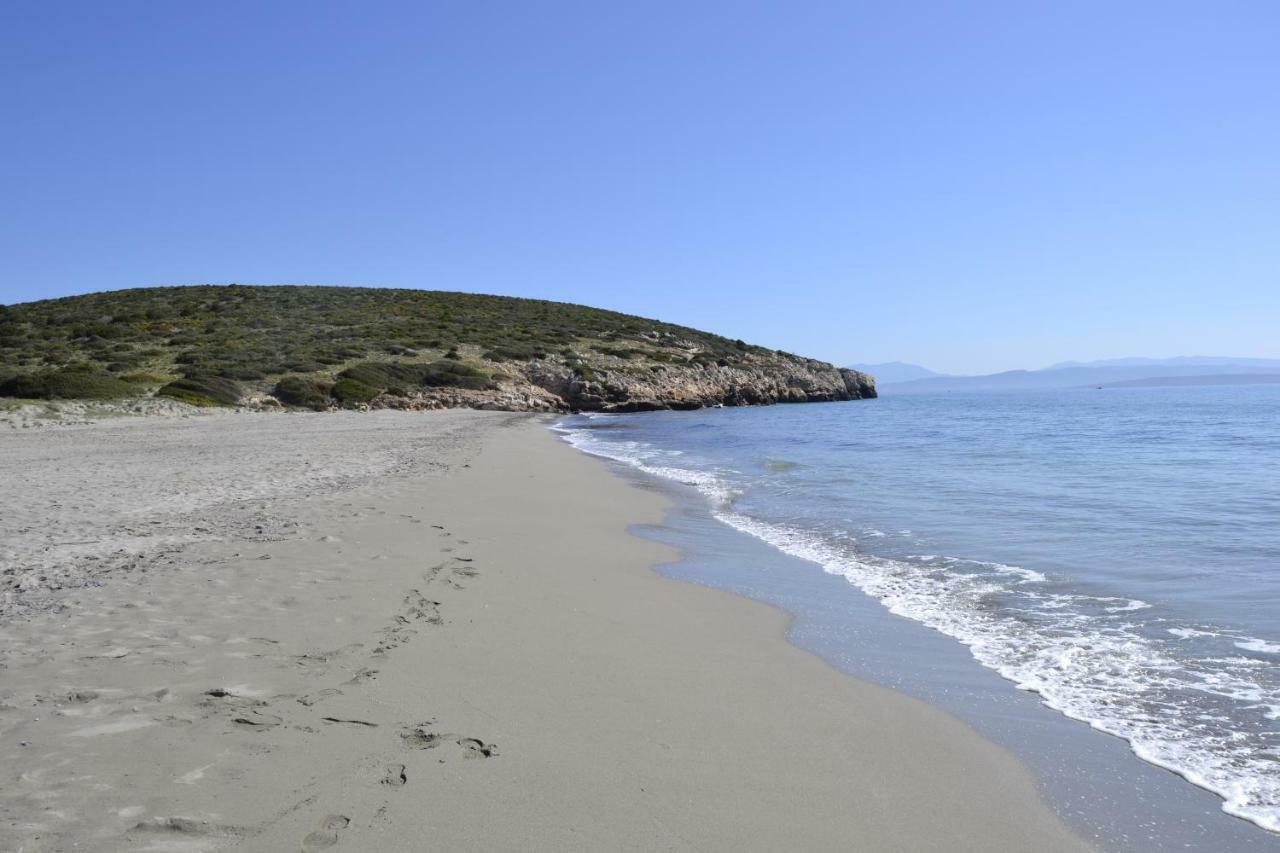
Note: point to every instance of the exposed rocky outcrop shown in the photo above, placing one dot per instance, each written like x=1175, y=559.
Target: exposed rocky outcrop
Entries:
x=598, y=386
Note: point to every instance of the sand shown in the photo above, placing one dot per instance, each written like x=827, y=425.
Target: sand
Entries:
x=430, y=631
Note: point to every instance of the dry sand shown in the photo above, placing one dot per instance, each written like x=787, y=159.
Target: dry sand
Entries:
x=412, y=632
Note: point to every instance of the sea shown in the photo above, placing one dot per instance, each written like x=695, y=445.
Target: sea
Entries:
x=1090, y=577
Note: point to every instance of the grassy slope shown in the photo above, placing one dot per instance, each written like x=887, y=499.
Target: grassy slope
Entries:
x=97, y=344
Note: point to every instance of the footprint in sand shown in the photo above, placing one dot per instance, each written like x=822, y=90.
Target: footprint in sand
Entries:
x=318, y=661
x=395, y=776
x=362, y=675
x=476, y=748
x=256, y=720
x=463, y=571
x=319, y=696
x=327, y=835
x=417, y=607
x=191, y=828
x=419, y=737
x=246, y=713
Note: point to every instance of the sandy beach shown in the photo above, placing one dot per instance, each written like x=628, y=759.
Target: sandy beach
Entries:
x=424, y=631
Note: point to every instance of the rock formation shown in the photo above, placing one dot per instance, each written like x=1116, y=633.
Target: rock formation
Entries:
x=626, y=387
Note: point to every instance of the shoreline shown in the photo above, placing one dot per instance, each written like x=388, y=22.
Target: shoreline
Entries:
x=728, y=495
x=473, y=649
x=1094, y=781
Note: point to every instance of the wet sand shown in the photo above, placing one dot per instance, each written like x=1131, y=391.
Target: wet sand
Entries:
x=396, y=631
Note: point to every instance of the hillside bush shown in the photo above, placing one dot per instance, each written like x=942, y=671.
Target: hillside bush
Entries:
x=454, y=374
x=379, y=374
x=303, y=391
x=515, y=353
x=441, y=373
x=69, y=383
x=203, y=391
x=350, y=393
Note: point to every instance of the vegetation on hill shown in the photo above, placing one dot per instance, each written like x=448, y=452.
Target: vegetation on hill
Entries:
x=323, y=346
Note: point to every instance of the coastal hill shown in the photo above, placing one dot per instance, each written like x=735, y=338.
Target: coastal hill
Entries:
x=327, y=347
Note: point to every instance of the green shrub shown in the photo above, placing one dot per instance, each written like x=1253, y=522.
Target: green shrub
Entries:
x=68, y=383
x=381, y=374
x=302, y=365
x=351, y=393
x=203, y=391
x=620, y=352
x=515, y=353
x=144, y=379
x=442, y=373
x=242, y=372
x=453, y=374
x=303, y=391
x=99, y=330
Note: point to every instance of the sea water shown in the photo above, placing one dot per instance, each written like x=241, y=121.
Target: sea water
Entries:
x=1116, y=553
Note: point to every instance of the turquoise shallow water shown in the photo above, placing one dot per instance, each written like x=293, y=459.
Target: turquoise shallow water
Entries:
x=1115, y=553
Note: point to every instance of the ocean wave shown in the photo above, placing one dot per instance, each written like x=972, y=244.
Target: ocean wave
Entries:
x=1208, y=718
x=1250, y=644
x=1103, y=673
x=1190, y=633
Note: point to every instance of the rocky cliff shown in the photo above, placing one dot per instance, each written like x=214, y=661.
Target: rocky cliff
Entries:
x=628, y=387
x=780, y=380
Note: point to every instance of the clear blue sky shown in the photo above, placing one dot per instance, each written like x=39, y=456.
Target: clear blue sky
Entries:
x=969, y=185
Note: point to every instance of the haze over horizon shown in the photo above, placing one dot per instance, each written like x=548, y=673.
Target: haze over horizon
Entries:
x=972, y=189
x=904, y=371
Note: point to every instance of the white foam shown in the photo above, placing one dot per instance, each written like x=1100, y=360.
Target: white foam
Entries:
x=1189, y=633
x=1249, y=644
x=1105, y=675
x=1129, y=604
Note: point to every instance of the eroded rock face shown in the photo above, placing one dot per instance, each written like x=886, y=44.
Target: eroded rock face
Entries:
x=861, y=386
x=541, y=386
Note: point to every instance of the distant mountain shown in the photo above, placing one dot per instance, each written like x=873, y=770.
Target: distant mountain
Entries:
x=1177, y=361
x=895, y=371
x=1082, y=375
x=1209, y=379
